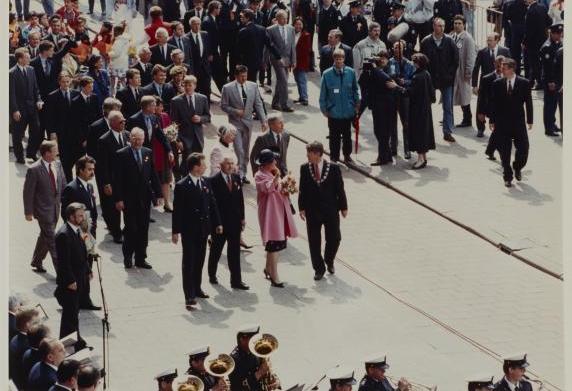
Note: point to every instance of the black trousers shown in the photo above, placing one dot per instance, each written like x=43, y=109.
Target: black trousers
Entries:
x=252, y=73
x=195, y=147
x=69, y=300
x=403, y=110
x=136, y=231
x=68, y=157
x=111, y=216
x=492, y=145
x=533, y=62
x=232, y=240
x=194, y=251
x=333, y=237
x=340, y=129
x=19, y=128
x=204, y=84
x=552, y=101
x=517, y=36
x=504, y=144
x=219, y=73
x=384, y=128
x=92, y=3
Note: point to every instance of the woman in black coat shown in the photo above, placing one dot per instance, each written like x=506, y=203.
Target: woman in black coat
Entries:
x=421, y=95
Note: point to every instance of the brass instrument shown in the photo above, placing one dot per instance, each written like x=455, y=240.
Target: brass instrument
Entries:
x=411, y=386
x=190, y=383
x=220, y=366
x=539, y=384
x=263, y=346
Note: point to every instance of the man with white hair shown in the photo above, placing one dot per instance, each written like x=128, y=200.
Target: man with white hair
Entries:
x=14, y=303
x=161, y=51
x=135, y=187
x=200, y=55
x=276, y=139
x=144, y=65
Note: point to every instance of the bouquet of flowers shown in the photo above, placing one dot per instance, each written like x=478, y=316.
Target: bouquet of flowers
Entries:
x=289, y=185
x=172, y=132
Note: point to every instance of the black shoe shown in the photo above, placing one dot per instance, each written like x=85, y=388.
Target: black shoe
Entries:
x=449, y=137
x=518, y=175
x=419, y=167
x=213, y=280
x=318, y=276
x=491, y=156
x=90, y=307
x=245, y=246
x=348, y=160
x=241, y=286
x=481, y=133
x=39, y=269
x=304, y=103
x=127, y=264
x=551, y=133
x=20, y=161
x=464, y=124
x=245, y=181
x=508, y=183
x=407, y=155
x=117, y=239
x=276, y=107
x=376, y=163
x=167, y=210
x=287, y=109
x=143, y=265
x=202, y=295
x=276, y=284
x=331, y=269
x=152, y=220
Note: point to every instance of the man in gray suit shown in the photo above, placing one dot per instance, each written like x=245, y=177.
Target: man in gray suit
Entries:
x=45, y=181
x=239, y=99
x=276, y=139
x=190, y=111
x=283, y=38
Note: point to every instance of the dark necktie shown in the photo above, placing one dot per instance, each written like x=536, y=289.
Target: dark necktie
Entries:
x=120, y=140
x=78, y=233
x=90, y=192
x=24, y=77
x=52, y=178
x=492, y=56
x=67, y=97
x=199, y=185
x=278, y=140
x=139, y=162
x=163, y=54
x=190, y=102
x=228, y=183
x=509, y=91
x=243, y=94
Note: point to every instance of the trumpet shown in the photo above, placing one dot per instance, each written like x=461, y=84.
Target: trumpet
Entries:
x=219, y=367
x=409, y=385
x=263, y=347
x=190, y=383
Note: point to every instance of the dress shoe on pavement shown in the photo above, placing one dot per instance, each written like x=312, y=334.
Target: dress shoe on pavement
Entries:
x=348, y=160
x=127, y=264
x=331, y=269
x=287, y=109
x=152, y=220
x=508, y=183
x=376, y=163
x=202, y=295
x=449, y=137
x=241, y=286
x=143, y=265
x=117, y=240
x=245, y=181
x=39, y=269
x=491, y=157
x=551, y=133
x=245, y=246
x=20, y=161
x=318, y=276
x=518, y=175
x=213, y=280
x=407, y=155
x=464, y=124
x=90, y=307
x=276, y=107
x=481, y=133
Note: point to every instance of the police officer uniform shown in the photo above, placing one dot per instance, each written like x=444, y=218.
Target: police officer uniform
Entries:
x=246, y=364
x=480, y=383
x=354, y=28
x=341, y=376
x=201, y=353
x=367, y=383
x=551, y=101
x=328, y=19
x=514, y=361
x=165, y=377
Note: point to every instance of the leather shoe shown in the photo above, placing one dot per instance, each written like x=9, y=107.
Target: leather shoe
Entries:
x=287, y=109
x=90, y=307
x=245, y=181
x=20, y=161
x=127, y=264
x=480, y=133
x=39, y=269
x=202, y=295
x=118, y=240
x=191, y=302
x=518, y=175
x=213, y=280
x=143, y=265
x=318, y=276
x=491, y=157
x=331, y=269
x=551, y=133
x=276, y=107
x=348, y=160
x=449, y=137
x=241, y=286
x=463, y=124
x=152, y=220
x=245, y=246
x=407, y=155
x=508, y=183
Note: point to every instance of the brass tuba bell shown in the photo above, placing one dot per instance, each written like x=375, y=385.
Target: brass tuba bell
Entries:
x=219, y=365
x=263, y=346
x=189, y=383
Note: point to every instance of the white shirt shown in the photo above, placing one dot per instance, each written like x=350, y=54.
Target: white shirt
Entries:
x=227, y=177
x=84, y=96
x=133, y=91
x=118, y=137
x=75, y=228
x=83, y=183
x=239, y=88
x=276, y=135
x=22, y=69
x=47, y=165
x=194, y=179
x=495, y=51
x=510, y=385
x=196, y=36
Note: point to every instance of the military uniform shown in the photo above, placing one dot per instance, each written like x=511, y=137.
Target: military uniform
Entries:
x=246, y=364
x=516, y=361
x=208, y=380
x=165, y=378
x=354, y=28
x=551, y=95
x=341, y=376
x=369, y=384
x=479, y=384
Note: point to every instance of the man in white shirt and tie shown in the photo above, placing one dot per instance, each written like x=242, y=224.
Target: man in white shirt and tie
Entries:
x=276, y=139
x=200, y=56
x=161, y=51
x=514, y=368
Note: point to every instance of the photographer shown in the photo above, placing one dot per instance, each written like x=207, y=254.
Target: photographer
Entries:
x=383, y=104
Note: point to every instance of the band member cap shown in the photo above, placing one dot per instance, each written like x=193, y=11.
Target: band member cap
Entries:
x=199, y=352
x=355, y=4
x=557, y=27
x=249, y=329
x=342, y=376
x=397, y=4
x=477, y=382
x=168, y=375
x=377, y=361
x=516, y=360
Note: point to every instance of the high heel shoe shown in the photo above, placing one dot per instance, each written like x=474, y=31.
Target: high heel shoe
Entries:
x=419, y=167
x=276, y=284
x=266, y=275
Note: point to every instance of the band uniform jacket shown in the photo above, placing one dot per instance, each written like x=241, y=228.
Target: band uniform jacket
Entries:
x=246, y=364
x=181, y=113
x=368, y=384
x=325, y=198
x=507, y=112
x=135, y=186
x=138, y=121
x=230, y=202
x=353, y=30
x=195, y=212
x=485, y=91
x=107, y=145
x=267, y=140
x=75, y=191
x=503, y=386
x=40, y=200
x=208, y=380
x=94, y=132
x=130, y=102
x=485, y=63
x=146, y=71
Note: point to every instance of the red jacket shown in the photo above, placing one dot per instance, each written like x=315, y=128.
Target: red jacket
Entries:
x=303, y=51
x=151, y=28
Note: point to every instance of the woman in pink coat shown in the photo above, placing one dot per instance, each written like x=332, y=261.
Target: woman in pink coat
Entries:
x=274, y=213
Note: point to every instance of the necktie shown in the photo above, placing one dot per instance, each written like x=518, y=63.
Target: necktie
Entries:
x=90, y=192
x=283, y=33
x=198, y=184
x=47, y=67
x=243, y=94
x=52, y=177
x=278, y=140
x=228, y=183
x=317, y=172
x=160, y=90
x=509, y=91
x=139, y=162
x=87, y=99
x=163, y=54
x=492, y=55
x=190, y=102
x=78, y=233
x=149, y=126
x=67, y=96
x=24, y=77
x=120, y=140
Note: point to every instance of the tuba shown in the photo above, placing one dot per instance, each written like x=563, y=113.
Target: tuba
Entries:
x=409, y=385
x=220, y=366
x=263, y=346
x=189, y=383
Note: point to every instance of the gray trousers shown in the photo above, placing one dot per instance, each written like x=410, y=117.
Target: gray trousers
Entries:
x=46, y=242
x=280, y=97
x=242, y=148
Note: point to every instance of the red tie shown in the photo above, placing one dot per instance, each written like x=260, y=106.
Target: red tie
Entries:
x=317, y=172
x=229, y=183
x=52, y=177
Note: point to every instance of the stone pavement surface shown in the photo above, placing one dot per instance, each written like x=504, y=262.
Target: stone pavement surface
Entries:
x=442, y=303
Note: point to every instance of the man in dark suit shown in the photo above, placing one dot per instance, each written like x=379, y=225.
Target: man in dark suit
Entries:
x=483, y=104
x=73, y=271
x=514, y=13
x=321, y=199
x=59, y=107
x=99, y=127
x=327, y=51
x=382, y=11
x=178, y=39
x=228, y=22
x=32, y=356
x=135, y=187
x=33, y=45
x=66, y=375
x=80, y=190
x=510, y=96
x=536, y=25
x=199, y=11
x=144, y=67
x=195, y=217
x=161, y=51
x=130, y=95
x=353, y=25
x=43, y=186
x=200, y=54
x=514, y=369
x=19, y=344
x=14, y=305
x=159, y=87
x=190, y=110
x=25, y=102
x=44, y=373
x=111, y=141
x=86, y=110
x=276, y=139
x=210, y=25
x=227, y=191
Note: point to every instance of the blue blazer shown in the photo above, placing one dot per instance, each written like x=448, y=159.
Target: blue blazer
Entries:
x=41, y=377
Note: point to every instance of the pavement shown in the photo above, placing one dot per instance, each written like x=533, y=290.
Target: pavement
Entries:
x=443, y=303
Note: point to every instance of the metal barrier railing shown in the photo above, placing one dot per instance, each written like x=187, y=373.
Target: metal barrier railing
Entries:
x=485, y=21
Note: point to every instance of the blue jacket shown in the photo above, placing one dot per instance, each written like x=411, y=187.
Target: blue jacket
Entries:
x=401, y=69
x=41, y=377
x=339, y=94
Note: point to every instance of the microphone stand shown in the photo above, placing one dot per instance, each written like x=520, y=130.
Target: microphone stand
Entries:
x=104, y=324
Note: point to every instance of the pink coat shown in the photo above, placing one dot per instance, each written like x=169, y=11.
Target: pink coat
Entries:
x=274, y=213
